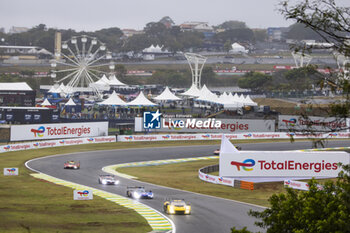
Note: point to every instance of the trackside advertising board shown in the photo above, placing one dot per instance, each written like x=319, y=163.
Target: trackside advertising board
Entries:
x=282, y=164
x=157, y=123
x=82, y=195
x=319, y=124
x=216, y=179
x=10, y=171
x=54, y=131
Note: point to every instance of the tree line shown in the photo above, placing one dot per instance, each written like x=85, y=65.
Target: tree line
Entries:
x=172, y=38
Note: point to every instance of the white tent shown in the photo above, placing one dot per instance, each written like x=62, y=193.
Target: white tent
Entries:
x=113, y=99
x=70, y=102
x=141, y=100
x=193, y=91
x=102, y=84
x=154, y=49
x=113, y=81
x=167, y=95
x=46, y=103
x=53, y=89
x=207, y=95
x=237, y=48
x=102, y=81
x=249, y=101
x=18, y=86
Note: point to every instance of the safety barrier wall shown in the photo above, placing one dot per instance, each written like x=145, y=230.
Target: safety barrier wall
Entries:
x=55, y=143
x=244, y=136
x=202, y=174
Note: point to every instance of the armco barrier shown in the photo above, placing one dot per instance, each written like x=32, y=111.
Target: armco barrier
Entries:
x=242, y=136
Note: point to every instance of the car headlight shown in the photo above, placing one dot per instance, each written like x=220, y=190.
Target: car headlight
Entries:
x=104, y=182
x=116, y=182
x=136, y=195
x=150, y=195
x=188, y=209
x=171, y=209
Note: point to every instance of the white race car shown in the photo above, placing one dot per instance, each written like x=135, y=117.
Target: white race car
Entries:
x=107, y=179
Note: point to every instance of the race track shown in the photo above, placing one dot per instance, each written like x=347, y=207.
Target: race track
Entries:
x=209, y=214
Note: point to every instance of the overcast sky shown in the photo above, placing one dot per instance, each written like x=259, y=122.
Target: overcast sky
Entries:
x=91, y=15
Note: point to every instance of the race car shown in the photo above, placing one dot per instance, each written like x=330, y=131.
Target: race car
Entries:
x=139, y=192
x=107, y=179
x=217, y=151
x=173, y=206
x=71, y=165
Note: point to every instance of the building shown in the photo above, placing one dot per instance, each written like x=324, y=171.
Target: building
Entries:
x=277, y=33
x=196, y=26
x=17, y=94
x=130, y=32
x=14, y=30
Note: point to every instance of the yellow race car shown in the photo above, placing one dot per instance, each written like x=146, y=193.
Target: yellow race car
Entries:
x=176, y=207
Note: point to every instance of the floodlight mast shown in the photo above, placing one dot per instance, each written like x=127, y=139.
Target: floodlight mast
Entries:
x=196, y=62
x=301, y=59
x=343, y=63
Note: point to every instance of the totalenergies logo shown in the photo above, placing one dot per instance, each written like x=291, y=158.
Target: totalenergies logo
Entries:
x=7, y=147
x=128, y=138
x=206, y=136
x=246, y=164
x=36, y=144
x=11, y=170
x=83, y=193
x=166, y=137
x=248, y=135
x=333, y=134
x=38, y=132
x=61, y=141
x=90, y=139
x=290, y=122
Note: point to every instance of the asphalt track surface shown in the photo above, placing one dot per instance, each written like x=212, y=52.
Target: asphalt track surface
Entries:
x=209, y=214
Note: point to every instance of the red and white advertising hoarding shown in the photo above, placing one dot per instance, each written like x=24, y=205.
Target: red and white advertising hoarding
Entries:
x=282, y=164
x=55, y=131
x=319, y=124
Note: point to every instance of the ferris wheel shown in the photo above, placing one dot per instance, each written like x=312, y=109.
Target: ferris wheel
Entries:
x=81, y=60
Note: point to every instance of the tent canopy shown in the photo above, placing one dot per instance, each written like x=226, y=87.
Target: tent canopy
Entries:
x=113, y=99
x=70, y=102
x=141, y=100
x=113, y=81
x=46, y=103
x=167, y=95
x=193, y=91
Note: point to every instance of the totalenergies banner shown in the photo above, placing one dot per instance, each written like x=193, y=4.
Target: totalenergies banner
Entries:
x=216, y=179
x=318, y=124
x=244, y=136
x=201, y=125
x=54, y=131
x=282, y=164
x=55, y=143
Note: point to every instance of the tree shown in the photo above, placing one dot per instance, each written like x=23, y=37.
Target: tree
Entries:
x=299, y=31
x=232, y=24
x=324, y=17
x=315, y=211
x=239, y=35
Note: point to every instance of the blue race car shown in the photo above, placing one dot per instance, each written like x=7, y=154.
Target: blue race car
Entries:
x=139, y=192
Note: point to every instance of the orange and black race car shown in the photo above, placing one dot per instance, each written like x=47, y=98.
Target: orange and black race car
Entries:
x=71, y=165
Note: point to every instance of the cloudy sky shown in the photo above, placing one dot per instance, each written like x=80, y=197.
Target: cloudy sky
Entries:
x=91, y=15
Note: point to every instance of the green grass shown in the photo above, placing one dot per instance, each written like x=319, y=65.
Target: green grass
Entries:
x=185, y=176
